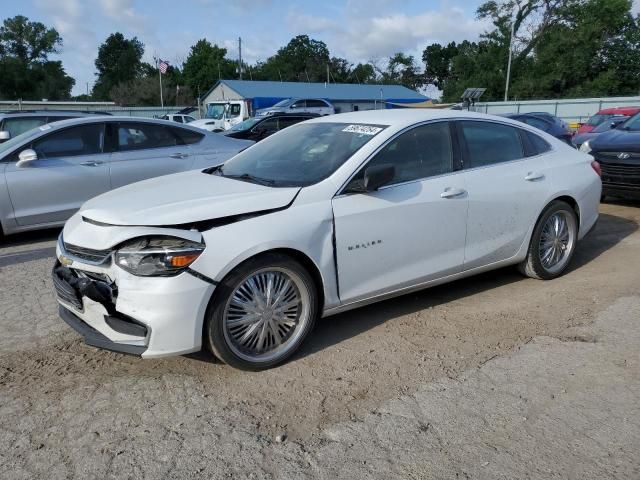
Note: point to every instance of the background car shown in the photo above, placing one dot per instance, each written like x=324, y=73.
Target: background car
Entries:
x=618, y=152
x=258, y=128
x=613, y=122
x=16, y=122
x=325, y=216
x=49, y=171
x=605, y=114
x=178, y=117
x=299, y=105
x=546, y=122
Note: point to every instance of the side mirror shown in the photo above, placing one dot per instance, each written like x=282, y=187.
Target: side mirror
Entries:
x=378, y=176
x=25, y=157
x=4, y=136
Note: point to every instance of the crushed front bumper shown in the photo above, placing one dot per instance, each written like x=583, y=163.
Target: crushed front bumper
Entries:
x=149, y=317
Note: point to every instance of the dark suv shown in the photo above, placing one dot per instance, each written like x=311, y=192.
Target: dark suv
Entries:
x=618, y=152
x=16, y=122
x=258, y=128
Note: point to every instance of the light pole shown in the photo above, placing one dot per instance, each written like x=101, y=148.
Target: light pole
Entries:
x=506, y=88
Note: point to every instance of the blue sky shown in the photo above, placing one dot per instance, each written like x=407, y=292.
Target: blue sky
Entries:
x=360, y=30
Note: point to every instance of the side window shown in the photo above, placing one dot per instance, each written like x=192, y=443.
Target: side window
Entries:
x=234, y=110
x=177, y=118
x=538, y=144
x=188, y=137
x=489, y=143
x=16, y=126
x=299, y=104
x=81, y=140
x=422, y=152
x=138, y=136
x=285, y=122
x=270, y=125
x=188, y=119
x=316, y=104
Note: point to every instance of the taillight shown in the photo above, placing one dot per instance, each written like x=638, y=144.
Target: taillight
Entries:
x=596, y=168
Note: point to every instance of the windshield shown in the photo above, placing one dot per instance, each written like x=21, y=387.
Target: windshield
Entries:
x=633, y=124
x=215, y=110
x=606, y=126
x=597, y=119
x=300, y=155
x=283, y=103
x=246, y=125
x=9, y=145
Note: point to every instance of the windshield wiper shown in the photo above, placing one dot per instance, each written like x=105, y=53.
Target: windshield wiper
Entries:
x=246, y=177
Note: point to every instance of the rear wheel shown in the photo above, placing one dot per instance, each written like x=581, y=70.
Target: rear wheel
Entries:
x=261, y=313
x=553, y=242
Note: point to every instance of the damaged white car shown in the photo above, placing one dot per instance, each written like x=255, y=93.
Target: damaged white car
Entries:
x=325, y=216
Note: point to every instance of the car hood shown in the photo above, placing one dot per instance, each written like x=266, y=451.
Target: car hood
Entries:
x=617, y=140
x=580, y=138
x=184, y=198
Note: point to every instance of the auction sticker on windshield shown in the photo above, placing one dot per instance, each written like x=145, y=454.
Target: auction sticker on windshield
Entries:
x=362, y=129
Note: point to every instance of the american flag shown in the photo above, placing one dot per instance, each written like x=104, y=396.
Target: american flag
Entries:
x=163, y=65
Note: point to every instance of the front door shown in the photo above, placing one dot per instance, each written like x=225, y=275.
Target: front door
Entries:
x=409, y=231
x=71, y=168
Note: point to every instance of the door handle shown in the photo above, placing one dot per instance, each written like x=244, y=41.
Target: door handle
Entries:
x=179, y=155
x=533, y=176
x=453, y=192
x=91, y=163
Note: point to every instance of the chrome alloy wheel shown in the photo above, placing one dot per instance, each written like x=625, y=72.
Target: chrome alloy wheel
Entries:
x=266, y=314
x=557, y=241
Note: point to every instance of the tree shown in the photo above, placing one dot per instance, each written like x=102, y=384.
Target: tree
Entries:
x=205, y=64
x=402, y=69
x=302, y=59
x=26, y=69
x=119, y=60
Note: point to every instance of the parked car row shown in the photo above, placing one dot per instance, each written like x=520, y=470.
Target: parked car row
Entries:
x=323, y=216
x=48, y=172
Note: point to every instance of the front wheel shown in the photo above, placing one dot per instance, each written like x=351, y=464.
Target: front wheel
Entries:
x=261, y=313
x=553, y=242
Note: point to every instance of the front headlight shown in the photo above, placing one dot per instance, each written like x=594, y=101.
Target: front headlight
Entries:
x=585, y=147
x=157, y=256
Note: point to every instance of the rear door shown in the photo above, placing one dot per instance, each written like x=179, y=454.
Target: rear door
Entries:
x=316, y=106
x=507, y=190
x=71, y=168
x=144, y=150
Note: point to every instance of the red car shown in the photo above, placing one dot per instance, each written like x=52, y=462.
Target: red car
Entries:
x=606, y=114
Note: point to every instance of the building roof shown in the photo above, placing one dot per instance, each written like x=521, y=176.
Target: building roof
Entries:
x=331, y=91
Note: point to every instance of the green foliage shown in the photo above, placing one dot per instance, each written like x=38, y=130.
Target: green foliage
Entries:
x=301, y=60
x=119, y=61
x=26, y=70
x=562, y=48
x=206, y=64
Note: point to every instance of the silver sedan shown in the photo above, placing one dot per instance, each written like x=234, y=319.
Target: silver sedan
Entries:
x=48, y=172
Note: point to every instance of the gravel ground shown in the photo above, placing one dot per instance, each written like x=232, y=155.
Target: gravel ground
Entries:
x=490, y=377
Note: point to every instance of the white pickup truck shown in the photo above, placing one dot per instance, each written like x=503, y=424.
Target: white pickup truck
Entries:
x=221, y=115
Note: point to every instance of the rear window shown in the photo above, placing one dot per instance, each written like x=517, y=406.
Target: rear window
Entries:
x=187, y=136
x=489, y=143
x=539, y=145
x=597, y=119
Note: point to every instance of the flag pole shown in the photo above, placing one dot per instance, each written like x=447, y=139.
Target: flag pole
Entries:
x=160, y=77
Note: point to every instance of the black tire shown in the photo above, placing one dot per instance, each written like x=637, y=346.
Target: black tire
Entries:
x=532, y=265
x=216, y=335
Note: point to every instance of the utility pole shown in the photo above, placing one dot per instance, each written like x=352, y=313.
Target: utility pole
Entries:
x=506, y=88
x=327, y=73
x=240, y=56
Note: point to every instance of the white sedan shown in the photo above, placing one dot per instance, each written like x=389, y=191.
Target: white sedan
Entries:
x=322, y=217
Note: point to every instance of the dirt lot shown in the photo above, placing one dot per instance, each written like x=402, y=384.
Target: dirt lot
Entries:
x=491, y=377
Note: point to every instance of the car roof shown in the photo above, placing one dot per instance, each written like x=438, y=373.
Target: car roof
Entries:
x=403, y=117
x=619, y=110
x=52, y=113
x=113, y=118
